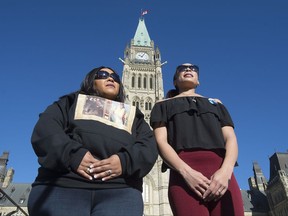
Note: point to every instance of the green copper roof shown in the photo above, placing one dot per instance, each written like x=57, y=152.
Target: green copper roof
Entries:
x=141, y=37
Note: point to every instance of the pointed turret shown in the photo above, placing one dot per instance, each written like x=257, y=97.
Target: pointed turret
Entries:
x=3, y=164
x=260, y=179
x=141, y=37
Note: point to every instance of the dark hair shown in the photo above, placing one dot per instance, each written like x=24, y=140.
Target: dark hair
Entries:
x=87, y=85
x=172, y=93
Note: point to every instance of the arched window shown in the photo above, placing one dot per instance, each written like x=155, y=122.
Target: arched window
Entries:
x=148, y=103
x=145, y=82
x=136, y=101
x=151, y=82
x=133, y=81
x=139, y=81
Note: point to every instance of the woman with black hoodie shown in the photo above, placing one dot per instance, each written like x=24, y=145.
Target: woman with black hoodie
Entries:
x=91, y=164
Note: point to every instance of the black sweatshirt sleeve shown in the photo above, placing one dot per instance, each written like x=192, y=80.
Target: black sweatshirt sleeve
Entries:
x=137, y=160
x=54, y=148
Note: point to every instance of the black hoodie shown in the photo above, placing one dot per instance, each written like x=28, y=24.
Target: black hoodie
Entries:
x=60, y=141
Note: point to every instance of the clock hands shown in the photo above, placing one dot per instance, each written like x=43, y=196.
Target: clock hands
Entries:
x=142, y=56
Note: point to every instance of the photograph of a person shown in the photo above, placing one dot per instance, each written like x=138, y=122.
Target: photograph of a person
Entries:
x=118, y=114
x=114, y=113
x=93, y=106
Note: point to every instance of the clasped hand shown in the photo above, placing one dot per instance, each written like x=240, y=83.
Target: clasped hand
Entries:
x=208, y=189
x=92, y=168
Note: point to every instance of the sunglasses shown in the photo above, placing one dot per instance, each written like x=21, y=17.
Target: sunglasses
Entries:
x=182, y=68
x=105, y=75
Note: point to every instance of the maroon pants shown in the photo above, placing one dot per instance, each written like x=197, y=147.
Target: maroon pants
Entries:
x=184, y=202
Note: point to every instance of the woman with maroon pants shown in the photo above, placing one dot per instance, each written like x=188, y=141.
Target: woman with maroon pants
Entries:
x=196, y=139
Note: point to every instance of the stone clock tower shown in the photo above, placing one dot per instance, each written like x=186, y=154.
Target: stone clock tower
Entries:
x=142, y=72
x=143, y=83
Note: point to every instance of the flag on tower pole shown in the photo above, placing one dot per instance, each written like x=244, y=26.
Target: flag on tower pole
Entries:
x=144, y=12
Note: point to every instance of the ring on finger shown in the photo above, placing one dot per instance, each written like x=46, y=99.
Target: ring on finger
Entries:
x=108, y=172
x=88, y=170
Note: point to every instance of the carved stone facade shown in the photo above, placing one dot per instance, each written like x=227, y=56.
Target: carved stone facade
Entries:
x=277, y=189
x=268, y=198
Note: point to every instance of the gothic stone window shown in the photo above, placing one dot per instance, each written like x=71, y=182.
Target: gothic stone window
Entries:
x=145, y=82
x=151, y=82
x=133, y=81
x=148, y=104
x=136, y=102
x=139, y=81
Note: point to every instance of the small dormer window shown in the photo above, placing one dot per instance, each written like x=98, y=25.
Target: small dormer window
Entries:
x=22, y=200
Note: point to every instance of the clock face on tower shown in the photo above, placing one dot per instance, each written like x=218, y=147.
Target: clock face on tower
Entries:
x=142, y=56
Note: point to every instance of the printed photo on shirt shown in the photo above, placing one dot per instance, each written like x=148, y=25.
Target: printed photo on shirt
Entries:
x=113, y=113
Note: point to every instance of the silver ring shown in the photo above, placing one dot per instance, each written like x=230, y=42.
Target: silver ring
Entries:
x=88, y=170
x=108, y=172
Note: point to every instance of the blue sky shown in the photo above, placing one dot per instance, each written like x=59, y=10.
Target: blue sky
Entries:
x=241, y=46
